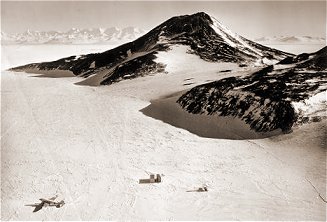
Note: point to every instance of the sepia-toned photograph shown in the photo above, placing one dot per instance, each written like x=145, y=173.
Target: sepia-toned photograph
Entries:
x=163, y=110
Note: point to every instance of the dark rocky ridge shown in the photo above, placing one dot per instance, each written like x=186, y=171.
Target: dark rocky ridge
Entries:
x=315, y=61
x=194, y=30
x=264, y=99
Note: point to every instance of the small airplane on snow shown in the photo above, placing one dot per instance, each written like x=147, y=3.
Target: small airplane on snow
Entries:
x=47, y=203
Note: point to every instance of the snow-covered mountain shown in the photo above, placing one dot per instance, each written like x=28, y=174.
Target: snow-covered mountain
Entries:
x=202, y=34
x=73, y=36
x=291, y=40
x=276, y=97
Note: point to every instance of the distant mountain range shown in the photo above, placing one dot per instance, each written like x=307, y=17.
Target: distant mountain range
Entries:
x=73, y=36
x=291, y=40
x=114, y=34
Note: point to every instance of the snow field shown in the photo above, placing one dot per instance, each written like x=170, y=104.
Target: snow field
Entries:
x=91, y=145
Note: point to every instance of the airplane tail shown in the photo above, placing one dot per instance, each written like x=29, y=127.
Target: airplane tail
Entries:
x=60, y=204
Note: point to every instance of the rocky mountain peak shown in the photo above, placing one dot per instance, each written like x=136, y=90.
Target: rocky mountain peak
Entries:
x=203, y=35
x=198, y=22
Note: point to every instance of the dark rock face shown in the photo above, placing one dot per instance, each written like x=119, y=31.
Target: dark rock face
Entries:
x=134, y=68
x=264, y=99
x=317, y=62
x=205, y=36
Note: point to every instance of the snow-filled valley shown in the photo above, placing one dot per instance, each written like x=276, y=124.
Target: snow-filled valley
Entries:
x=91, y=145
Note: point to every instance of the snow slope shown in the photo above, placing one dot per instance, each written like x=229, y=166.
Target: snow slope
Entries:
x=312, y=108
x=90, y=145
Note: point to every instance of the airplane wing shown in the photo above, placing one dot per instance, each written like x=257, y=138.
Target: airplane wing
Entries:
x=53, y=198
x=38, y=207
x=50, y=200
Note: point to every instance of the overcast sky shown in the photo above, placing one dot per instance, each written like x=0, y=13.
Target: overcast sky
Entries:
x=251, y=19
